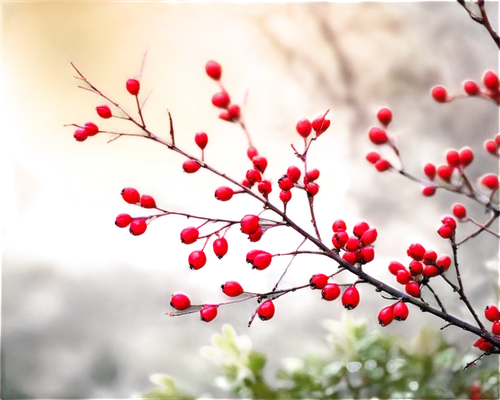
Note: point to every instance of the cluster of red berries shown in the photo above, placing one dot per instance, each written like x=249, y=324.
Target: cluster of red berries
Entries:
x=492, y=314
x=319, y=124
x=331, y=291
x=471, y=88
x=456, y=162
x=379, y=136
x=82, y=133
x=232, y=112
x=137, y=225
x=357, y=248
x=208, y=312
x=492, y=145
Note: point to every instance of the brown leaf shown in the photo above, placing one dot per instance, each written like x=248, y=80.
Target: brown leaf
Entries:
x=27, y=186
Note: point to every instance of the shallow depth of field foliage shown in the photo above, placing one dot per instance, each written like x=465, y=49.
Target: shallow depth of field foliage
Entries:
x=357, y=363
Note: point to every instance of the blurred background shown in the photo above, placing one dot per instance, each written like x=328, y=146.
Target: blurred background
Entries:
x=83, y=301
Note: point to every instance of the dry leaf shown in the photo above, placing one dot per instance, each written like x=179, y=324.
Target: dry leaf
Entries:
x=27, y=186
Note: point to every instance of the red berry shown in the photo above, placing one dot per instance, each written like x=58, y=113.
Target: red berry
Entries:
x=253, y=176
x=131, y=196
x=226, y=116
x=190, y=166
x=400, y=311
x=350, y=256
x=403, y=276
x=373, y=157
x=180, y=301
x=221, y=100
x=312, y=175
x=453, y=158
x=413, y=289
x=445, y=231
x=429, y=191
x=256, y=236
x=265, y=187
x=492, y=313
x=234, y=111
x=486, y=347
x=260, y=163
x=266, y=310
x=133, y=86
x=91, y=129
x=430, y=271
x=213, y=70
x=491, y=146
x=304, y=127
x=365, y=255
x=378, y=136
x=208, y=312
x=123, y=220
x=490, y=181
x=252, y=152
x=138, y=226
x=490, y=80
x=471, y=88
x=147, y=201
x=386, y=315
x=444, y=172
x=352, y=244
x=497, y=139
x=395, y=266
x=224, y=193
x=262, y=260
x=330, y=292
x=466, y=156
x=416, y=251
x=447, y=220
x=312, y=189
x=430, y=257
x=416, y=267
x=320, y=124
x=285, y=196
x=360, y=228
x=245, y=183
x=104, y=111
x=496, y=328
x=340, y=239
x=439, y=94
x=220, y=247
x=369, y=237
x=293, y=173
x=430, y=171
x=189, y=235
x=232, y=289
x=285, y=183
x=382, y=165
x=350, y=298
x=80, y=135
x=249, y=224
x=384, y=115
x=252, y=254
x=318, y=281
x=197, y=259
x=443, y=263
x=201, y=139
x=339, y=225
x=459, y=211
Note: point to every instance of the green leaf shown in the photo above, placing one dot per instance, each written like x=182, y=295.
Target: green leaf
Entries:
x=256, y=362
x=230, y=335
x=219, y=342
x=448, y=357
x=368, y=340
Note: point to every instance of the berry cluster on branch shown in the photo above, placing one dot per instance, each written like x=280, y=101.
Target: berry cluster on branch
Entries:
x=350, y=247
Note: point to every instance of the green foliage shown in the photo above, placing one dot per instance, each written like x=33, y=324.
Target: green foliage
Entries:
x=360, y=363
